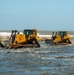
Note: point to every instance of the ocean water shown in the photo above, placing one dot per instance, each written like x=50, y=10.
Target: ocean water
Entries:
x=46, y=60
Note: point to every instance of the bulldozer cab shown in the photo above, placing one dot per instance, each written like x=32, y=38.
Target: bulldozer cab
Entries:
x=62, y=34
x=28, y=32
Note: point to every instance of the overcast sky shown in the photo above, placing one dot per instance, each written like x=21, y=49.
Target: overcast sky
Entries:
x=40, y=14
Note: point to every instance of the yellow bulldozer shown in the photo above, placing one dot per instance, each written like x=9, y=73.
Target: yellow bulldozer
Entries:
x=60, y=37
x=28, y=39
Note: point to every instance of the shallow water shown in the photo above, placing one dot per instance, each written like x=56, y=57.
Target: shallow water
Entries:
x=47, y=60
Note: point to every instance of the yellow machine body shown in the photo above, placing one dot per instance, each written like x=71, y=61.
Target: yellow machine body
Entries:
x=20, y=38
x=57, y=39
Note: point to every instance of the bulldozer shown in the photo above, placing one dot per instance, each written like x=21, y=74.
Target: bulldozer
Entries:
x=60, y=38
x=28, y=39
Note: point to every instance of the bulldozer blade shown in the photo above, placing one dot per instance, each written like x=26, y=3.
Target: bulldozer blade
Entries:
x=49, y=41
